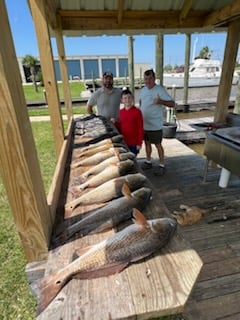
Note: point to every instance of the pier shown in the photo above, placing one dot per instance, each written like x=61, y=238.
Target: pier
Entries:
x=215, y=238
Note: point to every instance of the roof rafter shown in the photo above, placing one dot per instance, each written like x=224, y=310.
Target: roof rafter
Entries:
x=138, y=19
x=224, y=15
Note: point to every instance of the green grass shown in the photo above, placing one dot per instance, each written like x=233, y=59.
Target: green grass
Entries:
x=30, y=95
x=76, y=88
x=43, y=111
x=16, y=299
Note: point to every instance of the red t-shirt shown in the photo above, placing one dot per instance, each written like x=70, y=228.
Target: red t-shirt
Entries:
x=131, y=126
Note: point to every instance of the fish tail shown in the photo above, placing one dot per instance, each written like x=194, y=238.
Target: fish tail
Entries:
x=46, y=290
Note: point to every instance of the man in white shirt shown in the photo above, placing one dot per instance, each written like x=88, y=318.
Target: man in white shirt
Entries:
x=153, y=98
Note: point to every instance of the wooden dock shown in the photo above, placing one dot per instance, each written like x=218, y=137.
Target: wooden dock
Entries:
x=156, y=286
x=190, y=130
x=175, y=286
x=216, y=238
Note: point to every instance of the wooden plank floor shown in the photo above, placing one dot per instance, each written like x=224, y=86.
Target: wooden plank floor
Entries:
x=216, y=238
x=188, y=133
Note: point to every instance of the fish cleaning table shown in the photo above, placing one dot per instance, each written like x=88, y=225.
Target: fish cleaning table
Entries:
x=157, y=286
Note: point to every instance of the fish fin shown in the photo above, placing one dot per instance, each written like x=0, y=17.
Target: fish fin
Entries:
x=46, y=289
x=117, y=152
x=74, y=189
x=102, y=272
x=79, y=252
x=139, y=218
x=126, y=191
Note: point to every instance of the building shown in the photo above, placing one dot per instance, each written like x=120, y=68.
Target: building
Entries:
x=91, y=67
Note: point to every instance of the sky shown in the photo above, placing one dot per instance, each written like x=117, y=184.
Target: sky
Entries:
x=25, y=42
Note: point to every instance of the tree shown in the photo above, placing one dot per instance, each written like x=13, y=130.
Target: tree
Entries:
x=168, y=68
x=31, y=63
x=204, y=53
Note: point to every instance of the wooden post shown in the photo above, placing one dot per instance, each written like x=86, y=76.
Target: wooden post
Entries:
x=230, y=55
x=19, y=166
x=159, y=43
x=131, y=64
x=186, y=69
x=64, y=72
x=47, y=65
x=237, y=101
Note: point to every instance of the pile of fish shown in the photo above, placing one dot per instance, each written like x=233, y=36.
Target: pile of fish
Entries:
x=108, y=178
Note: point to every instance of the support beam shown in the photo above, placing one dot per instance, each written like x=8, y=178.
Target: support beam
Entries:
x=64, y=72
x=19, y=165
x=48, y=70
x=159, y=44
x=185, y=10
x=230, y=55
x=131, y=63
x=186, y=68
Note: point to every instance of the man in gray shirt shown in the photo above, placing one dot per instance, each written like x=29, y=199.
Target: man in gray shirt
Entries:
x=106, y=99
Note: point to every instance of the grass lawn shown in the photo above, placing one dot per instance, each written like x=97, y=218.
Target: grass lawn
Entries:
x=30, y=95
x=76, y=87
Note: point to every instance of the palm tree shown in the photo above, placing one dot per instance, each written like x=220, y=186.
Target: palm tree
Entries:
x=205, y=53
x=31, y=63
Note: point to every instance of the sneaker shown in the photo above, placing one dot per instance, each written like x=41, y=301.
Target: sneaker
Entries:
x=147, y=165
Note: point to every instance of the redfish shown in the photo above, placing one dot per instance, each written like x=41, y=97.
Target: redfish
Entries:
x=97, y=158
x=117, y=138
x=110, y=256
x=92, y=151
x=104, y=164
x=107, y=191
x=111, y=215
x=113, y=170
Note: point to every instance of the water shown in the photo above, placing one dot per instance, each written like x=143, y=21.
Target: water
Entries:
x=200, y=94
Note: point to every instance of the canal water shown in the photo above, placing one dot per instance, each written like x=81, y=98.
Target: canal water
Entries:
x=199, y=94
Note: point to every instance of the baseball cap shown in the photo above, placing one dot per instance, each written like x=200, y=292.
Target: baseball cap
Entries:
x=108, y=74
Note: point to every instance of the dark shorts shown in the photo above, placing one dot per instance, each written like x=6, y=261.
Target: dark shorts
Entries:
x=153, y=136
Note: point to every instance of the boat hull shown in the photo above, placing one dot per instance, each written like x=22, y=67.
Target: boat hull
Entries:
x=178, y=81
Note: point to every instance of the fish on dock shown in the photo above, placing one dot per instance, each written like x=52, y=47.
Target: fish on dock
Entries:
x=115, y=139
x=110, y=256
x=104, y=164
x=111, y=215
x=92, y=151
x=97, y=158
x=113, y=170
x=107, y=191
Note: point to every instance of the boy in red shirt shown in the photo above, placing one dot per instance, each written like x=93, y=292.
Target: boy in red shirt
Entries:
x=131, y=122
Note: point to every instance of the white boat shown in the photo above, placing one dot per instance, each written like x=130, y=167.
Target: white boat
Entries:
x=202, y=73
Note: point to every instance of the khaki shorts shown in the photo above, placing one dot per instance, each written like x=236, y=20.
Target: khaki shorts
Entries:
x=153, y=136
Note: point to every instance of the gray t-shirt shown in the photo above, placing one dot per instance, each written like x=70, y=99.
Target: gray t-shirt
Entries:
x=153, y=113
x=108, y=104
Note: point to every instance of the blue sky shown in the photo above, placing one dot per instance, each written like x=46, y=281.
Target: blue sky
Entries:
x=144, y=46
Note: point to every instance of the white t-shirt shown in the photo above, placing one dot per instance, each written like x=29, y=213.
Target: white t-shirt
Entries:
x=153, y=113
